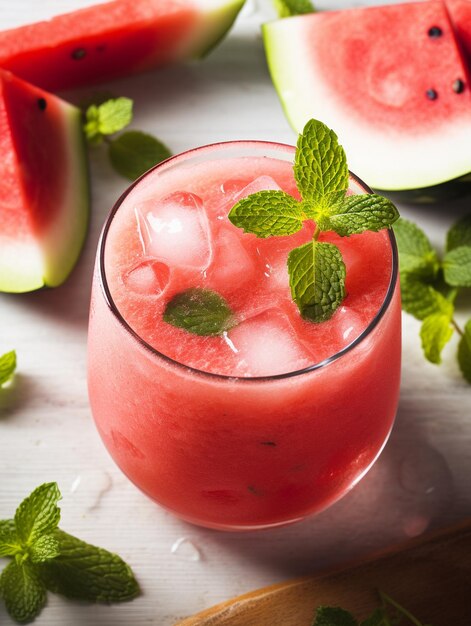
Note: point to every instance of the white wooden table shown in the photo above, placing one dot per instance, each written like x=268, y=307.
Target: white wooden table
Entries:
x=46, y=430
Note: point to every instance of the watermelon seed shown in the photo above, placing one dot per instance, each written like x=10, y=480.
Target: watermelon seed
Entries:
x=435, y=32
x=458, y=86
x=431, y=94
x=42, y=104
x=78, y=54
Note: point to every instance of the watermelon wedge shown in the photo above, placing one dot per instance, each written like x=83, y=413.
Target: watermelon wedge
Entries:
x=460, y=14
x=114, y=39
x=43, y=186
x=389, y=80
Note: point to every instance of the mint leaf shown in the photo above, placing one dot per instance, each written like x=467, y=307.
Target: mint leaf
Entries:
x=44, y=549
x=287, y=8
x=457, y=267
x=320, y=166
x=268, y=213
x=133, y=153
x=22, y=590
x=317, y=279
x=359, y=213
x=435, y=333
x=421, y=299
x=416, y=255
x=38, y=514
x=200, y=311
x=334, y=616
x=464, y=352
x=9, y=543
x=459, y=234
x=107, y=118
x=85, y=572
x=7, y=366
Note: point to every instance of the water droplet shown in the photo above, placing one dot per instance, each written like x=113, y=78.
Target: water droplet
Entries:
x=75, y=485
x=428, y=487
x=416, y=525
x=425, y=472
x=186, y=549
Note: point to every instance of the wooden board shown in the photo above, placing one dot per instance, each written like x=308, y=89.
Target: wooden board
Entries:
x=431, y=577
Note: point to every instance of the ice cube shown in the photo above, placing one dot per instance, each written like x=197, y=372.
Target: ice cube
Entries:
x=148, y=277
x=175, y=230
x=235, y=188
x=348, y=325
x=267, y=344
x=262, y=183
x=232, y=265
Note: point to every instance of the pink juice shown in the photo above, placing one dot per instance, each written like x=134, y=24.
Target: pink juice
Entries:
x=278, y=417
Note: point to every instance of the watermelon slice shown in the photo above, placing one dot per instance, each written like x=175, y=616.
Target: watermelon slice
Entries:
x=460, y=14
x=389, y=80
x=109, y=40
x=43, y=186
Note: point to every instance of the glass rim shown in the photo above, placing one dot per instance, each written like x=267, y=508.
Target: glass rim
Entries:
x=224, y=377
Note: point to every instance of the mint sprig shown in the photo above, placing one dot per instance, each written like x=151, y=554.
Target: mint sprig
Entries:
x=132, y=153
x=430, y=286
x=390, y=613
x=316, y=271
x=7, y=366
x=45, y=558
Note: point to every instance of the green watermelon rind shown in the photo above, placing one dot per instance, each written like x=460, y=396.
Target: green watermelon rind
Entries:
x=64, y=244
x=214, y=25
x=286, y=64
x=56, y=253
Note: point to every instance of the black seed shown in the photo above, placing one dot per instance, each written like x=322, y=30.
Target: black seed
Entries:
x=458, y=86
x=431, y=94
x=42, y=104
x=268, y=443
x=78, y=54
x=435, y=32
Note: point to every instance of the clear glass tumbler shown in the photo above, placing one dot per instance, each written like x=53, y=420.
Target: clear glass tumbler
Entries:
x=241, y=453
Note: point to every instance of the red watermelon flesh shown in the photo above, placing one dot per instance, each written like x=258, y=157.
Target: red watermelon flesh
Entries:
x=385, y=83
x=460, y=14
x=113, y=39
x=43, y=186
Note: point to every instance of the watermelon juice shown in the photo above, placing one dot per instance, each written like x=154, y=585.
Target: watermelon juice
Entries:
x=272, y=420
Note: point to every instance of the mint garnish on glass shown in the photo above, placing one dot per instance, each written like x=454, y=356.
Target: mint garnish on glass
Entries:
x=44, y=558
x=132, y=153
x=316, y=269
